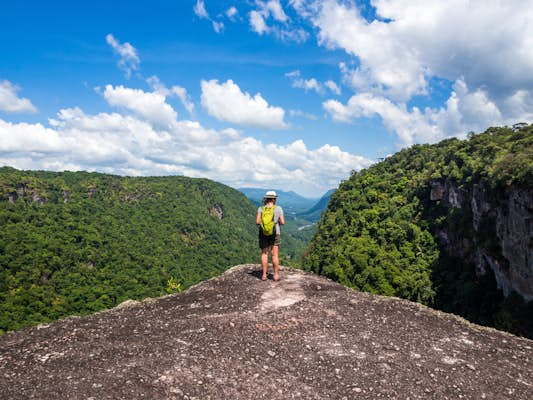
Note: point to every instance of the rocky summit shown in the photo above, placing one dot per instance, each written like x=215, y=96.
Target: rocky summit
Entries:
x=237, y=337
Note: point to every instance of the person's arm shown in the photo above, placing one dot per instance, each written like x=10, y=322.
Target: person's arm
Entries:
x=281, y=218
x=258, y=217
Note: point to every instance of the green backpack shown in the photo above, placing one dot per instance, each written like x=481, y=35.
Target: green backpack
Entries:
x=267, y=220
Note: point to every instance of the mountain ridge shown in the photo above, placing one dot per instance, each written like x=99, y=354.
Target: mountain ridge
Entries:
x=292, y=202
x=79, y=242
x=315, y=213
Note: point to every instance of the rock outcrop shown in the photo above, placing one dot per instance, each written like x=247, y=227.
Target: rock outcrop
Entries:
x=32, y=195
x=502, y=223
x=237, y=337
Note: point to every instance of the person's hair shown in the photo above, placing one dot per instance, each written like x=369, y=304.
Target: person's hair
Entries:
x=267, y=199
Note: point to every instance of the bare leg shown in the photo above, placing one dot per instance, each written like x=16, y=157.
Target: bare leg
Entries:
x=275, y=262
x=264, y=263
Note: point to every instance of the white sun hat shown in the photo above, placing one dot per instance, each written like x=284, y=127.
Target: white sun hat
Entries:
x=271, y=195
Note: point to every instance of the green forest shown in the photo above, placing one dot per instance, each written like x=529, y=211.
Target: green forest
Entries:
x=74, y=243
x=380, y=231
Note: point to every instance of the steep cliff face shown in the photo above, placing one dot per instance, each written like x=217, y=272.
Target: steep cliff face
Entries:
x=448, y=225
x=496, y=234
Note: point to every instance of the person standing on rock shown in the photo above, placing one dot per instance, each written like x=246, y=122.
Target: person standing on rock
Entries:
x=270, y=218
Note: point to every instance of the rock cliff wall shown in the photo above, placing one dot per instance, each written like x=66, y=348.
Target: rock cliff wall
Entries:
x=496, y=231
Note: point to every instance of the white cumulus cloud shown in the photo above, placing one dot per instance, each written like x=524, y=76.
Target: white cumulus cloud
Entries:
x=227, y=102
x=200, y=10
x=129, y=59
x=10, y=102
x=274, y=8
x=232, y=12
x=312, y=83
x=150, y=106
x=465, y=111
x=144, y=137
x=257, y=22
x=306, y=84
x=280, y=24
x=418, y=39
x=392, y=63
x=218, y=26
x=176, y=90
x=333, y=87
x=185, y=99
x=482, y=48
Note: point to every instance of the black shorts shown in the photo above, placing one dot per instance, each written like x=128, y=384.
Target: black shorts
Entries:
x=266, y=242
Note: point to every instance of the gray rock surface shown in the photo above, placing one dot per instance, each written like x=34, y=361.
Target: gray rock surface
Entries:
x=237, y=337
x=510, y=214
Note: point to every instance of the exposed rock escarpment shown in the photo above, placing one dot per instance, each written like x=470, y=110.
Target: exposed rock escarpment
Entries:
x=236, y=337
x=502, y=222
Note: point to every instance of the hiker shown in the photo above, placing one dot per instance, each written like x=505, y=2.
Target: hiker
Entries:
x=270, y=232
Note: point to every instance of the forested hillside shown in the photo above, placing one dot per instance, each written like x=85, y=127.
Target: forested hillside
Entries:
x=315, y=213
x=447, y=225
x=76, y=243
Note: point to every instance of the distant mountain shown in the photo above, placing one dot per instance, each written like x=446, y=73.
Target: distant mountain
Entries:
x=291, y=202
x=78, y=242
x=315, y=213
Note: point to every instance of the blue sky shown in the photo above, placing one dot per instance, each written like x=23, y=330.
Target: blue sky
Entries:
x=288, y=94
